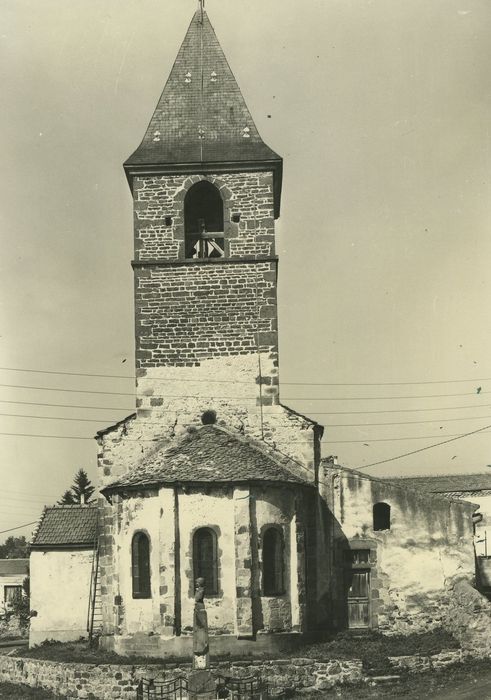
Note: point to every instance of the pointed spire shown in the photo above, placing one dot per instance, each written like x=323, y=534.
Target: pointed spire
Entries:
x=201, y=117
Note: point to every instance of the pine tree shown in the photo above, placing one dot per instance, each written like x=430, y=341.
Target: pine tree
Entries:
x=81, y=487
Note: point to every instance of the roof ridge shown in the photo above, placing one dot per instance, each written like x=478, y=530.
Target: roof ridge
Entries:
x=445, y=476
x=391, y=481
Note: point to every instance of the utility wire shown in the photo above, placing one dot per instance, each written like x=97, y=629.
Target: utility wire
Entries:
x=74, y=391
x=317, y=413
x=331, y=425
x=395, y=439
x=19, y=527
x=84, y=420
x=250, y=398
x=324, y=442
x=234, y=381
x=422, y=449
x=61, y=405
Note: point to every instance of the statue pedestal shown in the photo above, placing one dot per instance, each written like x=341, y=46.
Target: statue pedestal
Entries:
x=202, y=685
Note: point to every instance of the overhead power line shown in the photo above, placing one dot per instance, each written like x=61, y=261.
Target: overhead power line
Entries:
x=19, y=527
x=233, y=381
x=159, y=409
x=156, y=438
x=83, y=420
x=378, y=398
x=72, y=391
x=248, y=398
x=422, y=449
x=394, y=439
x=273, y=415
x=68, y=405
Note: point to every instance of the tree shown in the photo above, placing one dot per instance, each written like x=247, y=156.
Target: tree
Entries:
x=14, y=548
x=81, y=487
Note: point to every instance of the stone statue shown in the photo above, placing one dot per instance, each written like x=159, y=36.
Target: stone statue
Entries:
x=201, y=658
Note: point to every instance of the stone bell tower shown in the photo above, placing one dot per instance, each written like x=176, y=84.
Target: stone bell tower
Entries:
x=206, y=192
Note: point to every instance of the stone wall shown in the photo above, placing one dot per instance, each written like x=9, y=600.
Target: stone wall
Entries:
x=428, y=545
x=160, y=198
x=91, y=682
x=469, y=618
x=170, y=516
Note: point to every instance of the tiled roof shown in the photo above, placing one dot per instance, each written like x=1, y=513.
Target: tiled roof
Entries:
x=201, y=116
x=67, y=526
x=11, y=567
x=450, y=483
x=209, y=454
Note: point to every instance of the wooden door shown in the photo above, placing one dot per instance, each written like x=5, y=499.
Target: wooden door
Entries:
x=358, y=599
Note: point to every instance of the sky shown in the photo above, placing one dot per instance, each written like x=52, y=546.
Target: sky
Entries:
x=381, y=111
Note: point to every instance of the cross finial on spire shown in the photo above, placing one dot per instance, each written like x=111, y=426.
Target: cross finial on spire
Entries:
x=201, y=7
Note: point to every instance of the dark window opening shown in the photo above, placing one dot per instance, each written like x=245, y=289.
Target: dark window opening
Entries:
x=140, y=565
x=203, y=222
x=168, y=220
x=357, y=556
x=236, y=218
x=205, y=561
x=273, y=562
x=381, y=516
x=12, y=594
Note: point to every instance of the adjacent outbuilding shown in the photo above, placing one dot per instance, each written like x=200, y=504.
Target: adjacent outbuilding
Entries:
x=61, y=562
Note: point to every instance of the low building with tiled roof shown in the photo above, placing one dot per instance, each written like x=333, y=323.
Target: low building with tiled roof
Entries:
x=457, y=484
x=61, y=563
x=66, y=526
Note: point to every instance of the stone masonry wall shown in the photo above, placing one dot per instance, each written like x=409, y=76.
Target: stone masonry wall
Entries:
x=160, y=198
x=91, y=682
x=412, y=564
x=469, y=618
x=187, y=313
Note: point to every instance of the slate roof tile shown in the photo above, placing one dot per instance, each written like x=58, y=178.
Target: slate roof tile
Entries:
x=67, y=525
x=201, y=116
x=449, y=483
x=210, y=454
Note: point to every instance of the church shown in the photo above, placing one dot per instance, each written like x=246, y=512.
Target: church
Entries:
x=212, y=476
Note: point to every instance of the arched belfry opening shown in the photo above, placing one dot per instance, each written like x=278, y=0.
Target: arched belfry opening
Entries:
x=203, y=221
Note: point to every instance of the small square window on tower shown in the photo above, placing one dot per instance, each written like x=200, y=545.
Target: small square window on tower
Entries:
x=168, y=220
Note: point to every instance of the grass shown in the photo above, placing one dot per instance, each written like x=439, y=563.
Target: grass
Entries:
x=372, y=648
x=9, y=690
x=462, y=678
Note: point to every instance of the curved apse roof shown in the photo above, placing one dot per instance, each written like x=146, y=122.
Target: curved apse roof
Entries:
x=210, y=454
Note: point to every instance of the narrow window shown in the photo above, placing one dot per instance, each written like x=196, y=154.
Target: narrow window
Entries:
x=273, y=562
x=381, y=516
x=203, y=222
x=205, y=561
x=140, y=565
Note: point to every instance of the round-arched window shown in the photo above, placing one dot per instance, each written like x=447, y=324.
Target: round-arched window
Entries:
x=205, y=560
x=140, y=565
x=273, y=562
x=203, y=221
